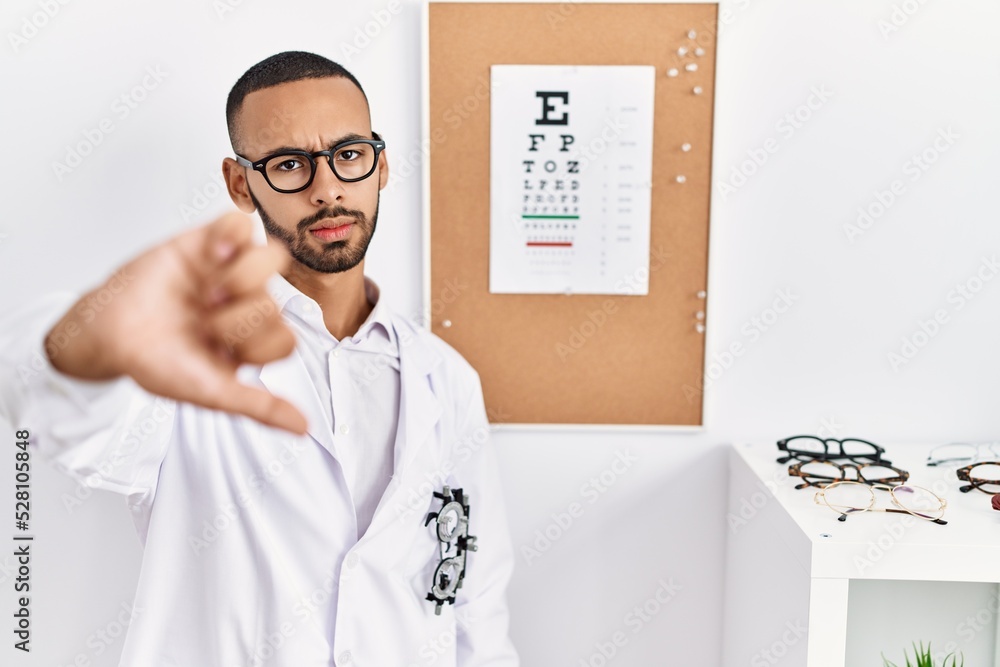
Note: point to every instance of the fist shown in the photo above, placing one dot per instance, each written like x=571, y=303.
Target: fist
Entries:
x=190, y=312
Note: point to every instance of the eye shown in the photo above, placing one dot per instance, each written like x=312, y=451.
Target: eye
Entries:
x=288, y=164
x=348, y=154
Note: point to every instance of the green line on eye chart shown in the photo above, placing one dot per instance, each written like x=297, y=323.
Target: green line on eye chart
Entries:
x=555, y=217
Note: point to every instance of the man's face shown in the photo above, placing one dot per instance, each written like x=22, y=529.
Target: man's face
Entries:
x=310, y=115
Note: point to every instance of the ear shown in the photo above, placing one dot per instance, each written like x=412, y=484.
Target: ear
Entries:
x=236, y=184
x=383, y=165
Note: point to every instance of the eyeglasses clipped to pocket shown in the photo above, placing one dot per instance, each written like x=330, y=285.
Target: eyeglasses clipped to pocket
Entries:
x=452, y=530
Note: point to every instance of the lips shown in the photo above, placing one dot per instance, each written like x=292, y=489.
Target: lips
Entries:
x=332, y=230
x=331, y=223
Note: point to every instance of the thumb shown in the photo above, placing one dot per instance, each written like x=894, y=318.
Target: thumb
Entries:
x=206, y=249
x=225, y=236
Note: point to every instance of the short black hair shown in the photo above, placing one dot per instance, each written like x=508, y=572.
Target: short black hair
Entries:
x=277, y=69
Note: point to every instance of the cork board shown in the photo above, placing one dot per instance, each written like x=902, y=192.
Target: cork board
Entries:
x=579, y=358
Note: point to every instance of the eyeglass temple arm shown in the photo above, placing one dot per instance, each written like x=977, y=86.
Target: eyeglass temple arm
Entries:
x=977, y=484
x=936, y=462
x=890, y=509
x=843, y=515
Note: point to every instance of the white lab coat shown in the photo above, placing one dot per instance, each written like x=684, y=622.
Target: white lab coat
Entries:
x=250, y=555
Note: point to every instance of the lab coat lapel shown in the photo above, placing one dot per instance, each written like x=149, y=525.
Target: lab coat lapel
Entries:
x=419, y=411
x=420, y=408
x=288, y=378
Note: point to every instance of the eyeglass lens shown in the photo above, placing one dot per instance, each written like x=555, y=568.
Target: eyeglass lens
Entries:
x=448, y=575
x=986, y=476
x=853, y=447
x=917, y=501
x=848, y=497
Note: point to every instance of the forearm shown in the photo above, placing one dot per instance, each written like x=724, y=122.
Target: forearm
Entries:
x=81, y=426
x=72, y=350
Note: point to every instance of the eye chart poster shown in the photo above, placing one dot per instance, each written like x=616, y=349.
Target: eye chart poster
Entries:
x=570, y=174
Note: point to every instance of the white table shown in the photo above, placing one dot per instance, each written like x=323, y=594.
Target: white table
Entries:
x=791, y=566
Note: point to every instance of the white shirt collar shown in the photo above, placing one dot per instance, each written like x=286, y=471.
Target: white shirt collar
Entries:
x=291, y=300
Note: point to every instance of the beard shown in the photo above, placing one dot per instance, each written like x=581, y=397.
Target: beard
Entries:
x=331, y=256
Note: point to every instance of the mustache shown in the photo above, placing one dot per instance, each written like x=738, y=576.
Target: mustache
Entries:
x=334, y=212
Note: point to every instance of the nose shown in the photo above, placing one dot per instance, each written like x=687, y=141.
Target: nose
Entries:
x=326, y=187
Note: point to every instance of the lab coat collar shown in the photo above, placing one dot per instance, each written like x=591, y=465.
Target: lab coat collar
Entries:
x=420, y=408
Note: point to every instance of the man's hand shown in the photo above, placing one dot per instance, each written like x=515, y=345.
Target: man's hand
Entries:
x=192, y=310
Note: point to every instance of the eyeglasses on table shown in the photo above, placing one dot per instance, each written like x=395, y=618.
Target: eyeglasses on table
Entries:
x=811, y=447
x=983, y=476
x=820, y=473
x=847, y=497
x=959, y=453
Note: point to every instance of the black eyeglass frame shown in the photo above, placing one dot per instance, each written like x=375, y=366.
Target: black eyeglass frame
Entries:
x=875, y=457
x=261, y=165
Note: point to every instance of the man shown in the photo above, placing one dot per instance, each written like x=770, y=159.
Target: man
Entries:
x=284, y=440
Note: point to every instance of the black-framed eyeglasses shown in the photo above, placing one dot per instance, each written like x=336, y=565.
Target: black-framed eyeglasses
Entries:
x=292, y=170
x=811, y=447
x=452, y=530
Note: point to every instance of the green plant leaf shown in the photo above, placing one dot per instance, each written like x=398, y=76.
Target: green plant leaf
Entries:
x=923, y=657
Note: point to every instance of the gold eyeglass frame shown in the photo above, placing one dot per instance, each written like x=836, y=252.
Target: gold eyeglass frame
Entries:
x=820, y=499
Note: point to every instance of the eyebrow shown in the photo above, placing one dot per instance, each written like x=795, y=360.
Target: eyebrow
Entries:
x=339, y=140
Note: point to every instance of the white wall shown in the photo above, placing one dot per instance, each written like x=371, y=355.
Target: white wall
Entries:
x=821, y=366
